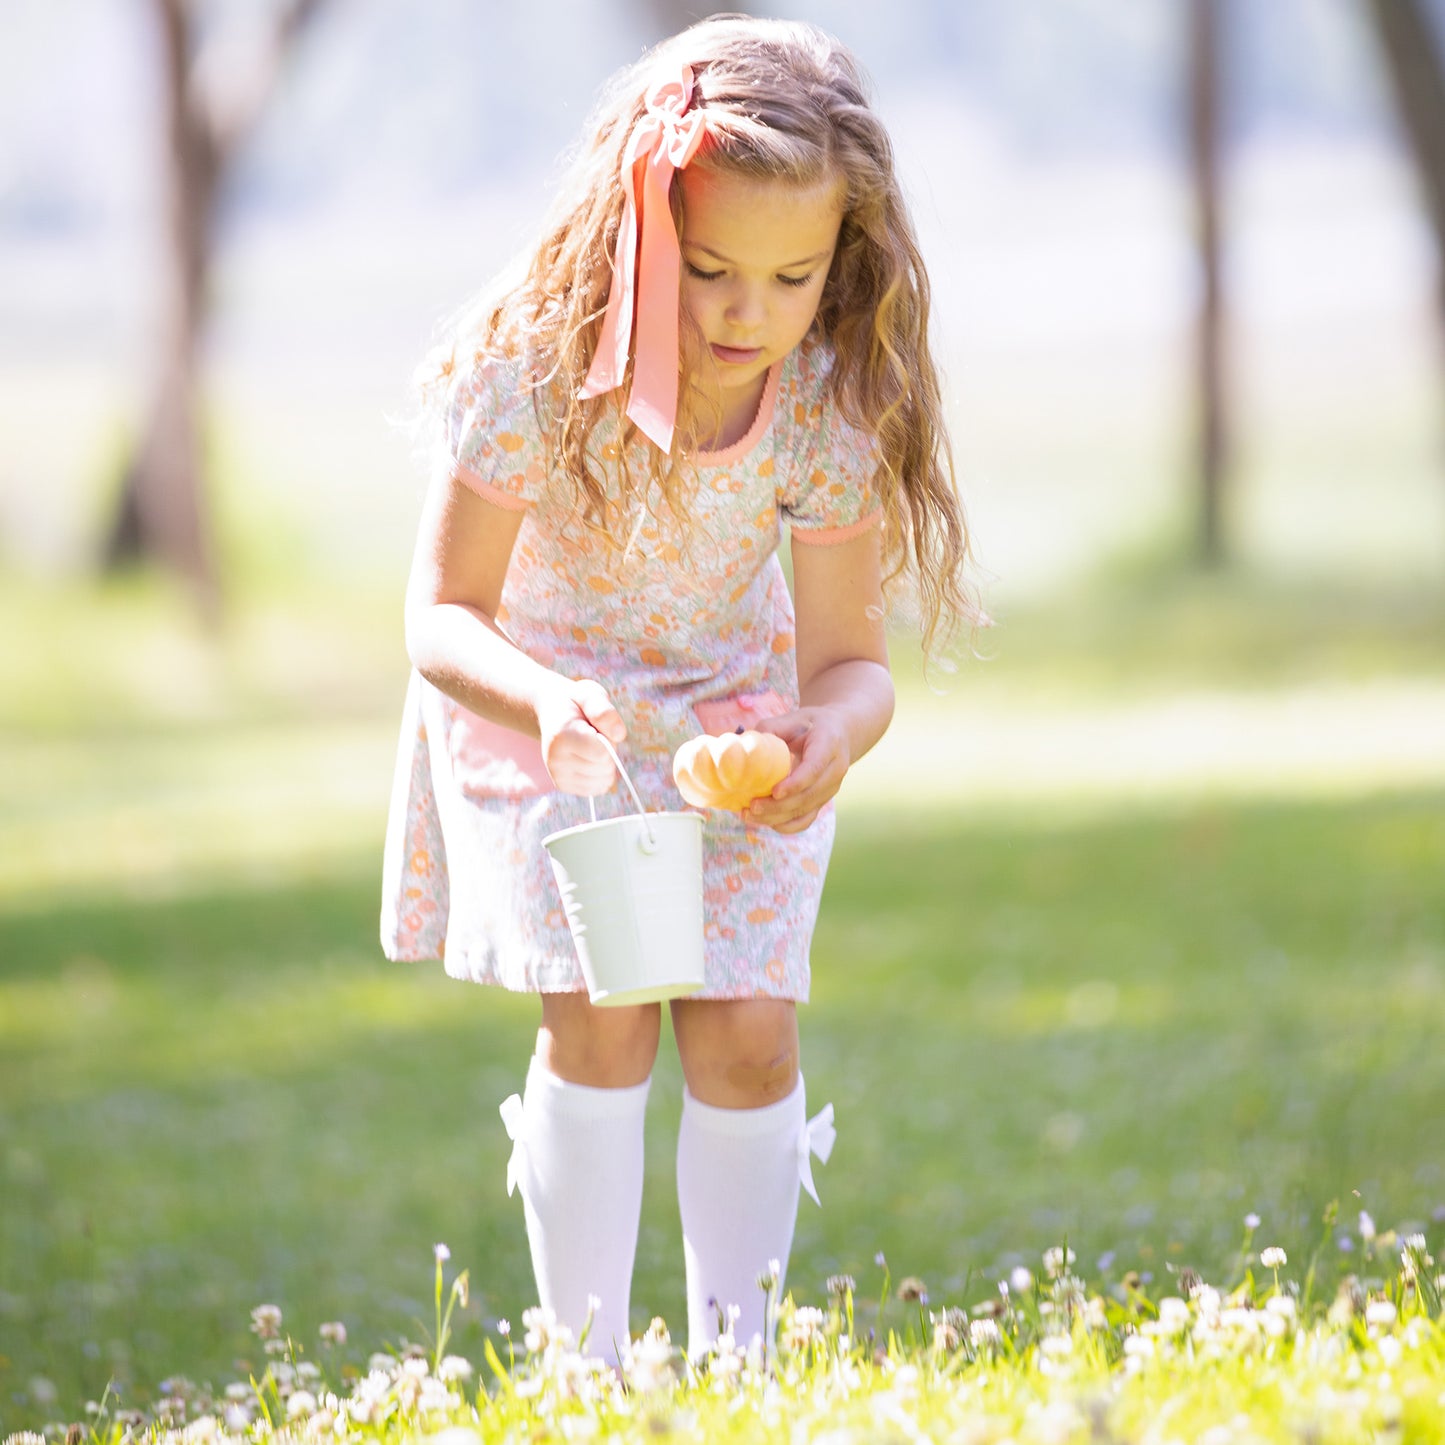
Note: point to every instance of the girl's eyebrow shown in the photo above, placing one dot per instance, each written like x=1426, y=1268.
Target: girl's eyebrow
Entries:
x=728, y=261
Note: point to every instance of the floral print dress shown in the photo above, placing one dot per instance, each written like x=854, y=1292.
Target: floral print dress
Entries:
x=686, y=638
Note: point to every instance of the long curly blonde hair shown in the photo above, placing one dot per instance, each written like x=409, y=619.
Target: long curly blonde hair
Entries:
x=784, y=101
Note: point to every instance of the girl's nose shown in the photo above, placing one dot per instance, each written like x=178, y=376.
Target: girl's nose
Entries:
x=745, y=307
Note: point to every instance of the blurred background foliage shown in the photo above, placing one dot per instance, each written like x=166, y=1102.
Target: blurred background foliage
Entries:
x=1136, y=923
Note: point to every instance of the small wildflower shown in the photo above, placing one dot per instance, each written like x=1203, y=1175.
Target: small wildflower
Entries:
x=768, y=1279
x=1273, y=1257
x=841, y=1285
x=504, y=1328
x=454, y=1367
x=441, y=1252
x=912, y=1290
x=1367, y=1227
x=804, y=1329
x=1380, y=1312
x=303, y=1402
x=984, y=1334
x=1021, y=1280
x=1251, y=1221
x=1057, y=1260
x=880, y=1261
x=333, y=1332
x=266, y=1322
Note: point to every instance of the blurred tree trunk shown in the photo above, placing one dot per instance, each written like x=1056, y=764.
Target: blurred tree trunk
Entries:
x=162, y=514
x=1211, y=380
x=1415, y=64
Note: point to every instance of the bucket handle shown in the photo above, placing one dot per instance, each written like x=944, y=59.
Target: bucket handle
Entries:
x=650, y=843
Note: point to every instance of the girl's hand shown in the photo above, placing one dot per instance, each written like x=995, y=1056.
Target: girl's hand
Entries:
x=819, y=744
x=573, y=718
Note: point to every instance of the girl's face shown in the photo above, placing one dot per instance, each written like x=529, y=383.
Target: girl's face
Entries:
x=755, y=256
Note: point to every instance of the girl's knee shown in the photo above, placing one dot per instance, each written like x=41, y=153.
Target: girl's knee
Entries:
x=604, y=1048
x=738, y=1054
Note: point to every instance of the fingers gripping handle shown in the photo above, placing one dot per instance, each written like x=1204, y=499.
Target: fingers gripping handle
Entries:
x=650, y=843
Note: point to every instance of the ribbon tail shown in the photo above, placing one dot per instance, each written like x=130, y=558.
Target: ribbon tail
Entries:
x=816, y=1137
x=653, y=404
x=512, y=1119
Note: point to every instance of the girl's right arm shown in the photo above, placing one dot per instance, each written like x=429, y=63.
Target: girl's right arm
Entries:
x=464, y=545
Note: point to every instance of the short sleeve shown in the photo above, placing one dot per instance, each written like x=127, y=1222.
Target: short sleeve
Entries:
x=493, y=441
x=828, y=494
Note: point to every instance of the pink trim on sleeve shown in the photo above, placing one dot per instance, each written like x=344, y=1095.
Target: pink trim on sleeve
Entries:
x=487, y=491
x=831, y=536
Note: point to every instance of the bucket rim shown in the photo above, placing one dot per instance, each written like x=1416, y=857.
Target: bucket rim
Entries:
x=642, y=819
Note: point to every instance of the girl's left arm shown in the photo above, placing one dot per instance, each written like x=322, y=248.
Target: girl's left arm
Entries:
x=845, y=690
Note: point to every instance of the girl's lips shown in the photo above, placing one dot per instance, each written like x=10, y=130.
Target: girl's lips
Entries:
x=736, y=355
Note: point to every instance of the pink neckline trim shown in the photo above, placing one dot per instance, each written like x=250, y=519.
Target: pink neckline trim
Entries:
x=749, y=439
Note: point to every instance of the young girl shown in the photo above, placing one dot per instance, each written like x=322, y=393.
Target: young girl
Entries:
x=722, y=331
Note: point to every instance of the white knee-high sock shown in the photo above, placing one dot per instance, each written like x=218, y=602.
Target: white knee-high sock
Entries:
x=578, y=1160
x=738, y=1174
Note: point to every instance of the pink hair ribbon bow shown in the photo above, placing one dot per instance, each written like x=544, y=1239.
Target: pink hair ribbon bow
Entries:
x=645, y=278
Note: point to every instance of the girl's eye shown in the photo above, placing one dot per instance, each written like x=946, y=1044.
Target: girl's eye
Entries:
x=700, y=274
x=796, y=280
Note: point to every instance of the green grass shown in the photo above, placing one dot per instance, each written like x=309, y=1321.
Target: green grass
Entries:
x=1126, y=1023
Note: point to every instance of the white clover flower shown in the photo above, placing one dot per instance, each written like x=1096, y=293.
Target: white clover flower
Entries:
x=333, y=1332
x=1273, y=1257
x=441, y=1253
x=804, y=1328
x=1282, y=1305
x=1391, y=1351
x=504, y=1328
x=1056, y=1347
x=380, y=1364
x=1251, y=1220
x=454, y=1367
x=307, y=1371
x=1139, y=1347
x=266, y=1322
x=1366, y=1227
x=1380, y=1312
x=303, y=1402
x=237, y=1419
x=1021, y=1280
x=1173, y=1315
x=1057, y=1259
x=1096, y=1317
x=415, y=1368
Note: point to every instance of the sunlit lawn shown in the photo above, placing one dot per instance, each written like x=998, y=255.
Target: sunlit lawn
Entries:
x=1121, y=1016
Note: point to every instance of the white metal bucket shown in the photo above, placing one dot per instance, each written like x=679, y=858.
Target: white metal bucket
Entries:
x=632, y=891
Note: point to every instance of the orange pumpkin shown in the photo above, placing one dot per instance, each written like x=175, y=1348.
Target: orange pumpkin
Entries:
x=731, y=770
